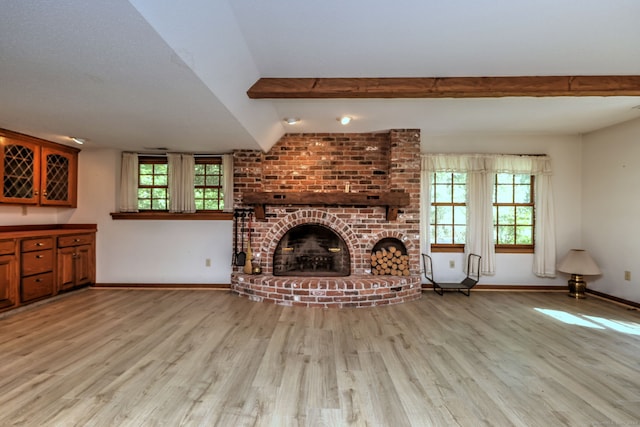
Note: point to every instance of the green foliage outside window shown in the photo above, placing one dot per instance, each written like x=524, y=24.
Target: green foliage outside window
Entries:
x=153, y=181
x=152, y=186
x=448, y=208
x=513, y=209
x=208, y=186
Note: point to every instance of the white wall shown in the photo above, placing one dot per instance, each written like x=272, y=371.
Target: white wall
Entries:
x=565, y=152
x=135, y=251
x=611, y=222
x=18, y=215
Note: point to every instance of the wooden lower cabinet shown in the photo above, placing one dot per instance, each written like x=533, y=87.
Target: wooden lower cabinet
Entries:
x=36, y=268
x=8, y=281
x=39, y=263
x=9, y=277
x=74, y=267
x=37, y=286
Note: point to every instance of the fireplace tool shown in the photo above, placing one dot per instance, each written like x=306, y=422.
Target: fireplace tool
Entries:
x=241, y=257
x=249, y=256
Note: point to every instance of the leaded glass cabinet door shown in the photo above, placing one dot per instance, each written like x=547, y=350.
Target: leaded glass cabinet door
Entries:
x=20, y=172
x=58, y=177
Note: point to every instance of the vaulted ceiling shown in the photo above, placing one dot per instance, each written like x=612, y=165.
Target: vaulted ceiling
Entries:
x=145, y=74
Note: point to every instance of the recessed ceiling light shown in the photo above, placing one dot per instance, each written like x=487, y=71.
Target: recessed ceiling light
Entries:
x=291, y=120
x=78, y=140
x=344, y=120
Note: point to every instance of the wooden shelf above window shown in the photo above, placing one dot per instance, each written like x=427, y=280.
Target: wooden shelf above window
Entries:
x=391, y=200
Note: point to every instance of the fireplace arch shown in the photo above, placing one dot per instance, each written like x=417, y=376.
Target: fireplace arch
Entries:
x=317, y=217
x=311, y=250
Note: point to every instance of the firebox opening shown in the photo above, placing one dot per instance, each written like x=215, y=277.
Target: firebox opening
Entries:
x=311, y=250
x=389, y=257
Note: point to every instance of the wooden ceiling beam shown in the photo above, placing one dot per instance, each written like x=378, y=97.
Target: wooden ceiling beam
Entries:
x=445, y=87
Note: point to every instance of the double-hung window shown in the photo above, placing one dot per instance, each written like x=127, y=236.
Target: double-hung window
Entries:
x=513, y=212
x=509, y=207
x=153, y=184
x=448, y=211
x=208, y=181
x=153, y=191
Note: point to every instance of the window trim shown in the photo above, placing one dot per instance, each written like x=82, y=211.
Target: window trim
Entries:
x=515, y=248
x=446, y=247
x=499, y=248
x=142, y=159
x=211, y=160
x=165, y=215
x=149, y=160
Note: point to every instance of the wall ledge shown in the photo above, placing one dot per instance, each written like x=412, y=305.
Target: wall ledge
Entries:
x=167, y=216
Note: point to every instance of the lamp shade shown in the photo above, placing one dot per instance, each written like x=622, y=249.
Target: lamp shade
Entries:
x=578, y=261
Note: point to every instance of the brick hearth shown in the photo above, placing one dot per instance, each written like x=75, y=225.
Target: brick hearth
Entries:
x=369, y=162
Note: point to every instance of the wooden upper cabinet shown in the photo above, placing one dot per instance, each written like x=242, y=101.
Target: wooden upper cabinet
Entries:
x=37, y=172
x=58, y=176
x=20, y=172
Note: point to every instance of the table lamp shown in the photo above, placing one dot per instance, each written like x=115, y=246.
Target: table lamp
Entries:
x=578, y=263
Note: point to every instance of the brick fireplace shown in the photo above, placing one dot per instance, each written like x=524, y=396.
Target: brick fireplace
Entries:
x=364, y=187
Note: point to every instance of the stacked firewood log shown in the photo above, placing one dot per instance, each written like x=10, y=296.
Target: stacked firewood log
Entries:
x=389, y=262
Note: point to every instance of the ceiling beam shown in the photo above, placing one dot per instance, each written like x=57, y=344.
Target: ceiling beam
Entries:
x=445, y=87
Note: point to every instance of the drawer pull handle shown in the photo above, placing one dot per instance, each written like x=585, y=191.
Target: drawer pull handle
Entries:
x=38, y=280
x=39, y=256
x=39, y=244
x=76, y=240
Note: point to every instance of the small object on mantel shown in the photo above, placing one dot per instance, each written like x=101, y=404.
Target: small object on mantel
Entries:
x=391, y=200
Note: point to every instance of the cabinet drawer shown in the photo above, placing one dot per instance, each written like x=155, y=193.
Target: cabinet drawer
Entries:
x=37, y=286
x=75, y=240
x=37, y=262
x=37, y=244
x=7, y=247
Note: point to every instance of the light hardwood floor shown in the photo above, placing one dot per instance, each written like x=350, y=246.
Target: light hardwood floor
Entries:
x=207, y=358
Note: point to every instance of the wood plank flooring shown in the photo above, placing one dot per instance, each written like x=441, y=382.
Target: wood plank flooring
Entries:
x=208, y=358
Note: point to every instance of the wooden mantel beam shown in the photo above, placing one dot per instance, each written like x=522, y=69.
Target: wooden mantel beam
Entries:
x=445, y=87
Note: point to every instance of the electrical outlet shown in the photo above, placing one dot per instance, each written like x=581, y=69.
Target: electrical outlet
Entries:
x=452, y=263
x=627, y=275
x=207, y=262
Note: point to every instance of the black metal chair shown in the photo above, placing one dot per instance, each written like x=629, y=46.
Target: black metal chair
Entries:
x=473, y=276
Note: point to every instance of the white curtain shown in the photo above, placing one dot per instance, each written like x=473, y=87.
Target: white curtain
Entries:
x=181, y=177
x=480, y=241
x=544, y=259
x=227, y=184
x=481, y=170
x=129, y=183
x=425, y=207
x=479, y=201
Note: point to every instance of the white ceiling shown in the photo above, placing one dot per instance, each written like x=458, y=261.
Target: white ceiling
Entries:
x=140, y=74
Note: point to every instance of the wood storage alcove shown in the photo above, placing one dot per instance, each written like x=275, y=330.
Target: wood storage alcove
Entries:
x=389, y=257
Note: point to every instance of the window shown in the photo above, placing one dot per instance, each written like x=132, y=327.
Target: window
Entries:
x=513, y=212
x=208, y=184
x=153, y=184
x=448, y=211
